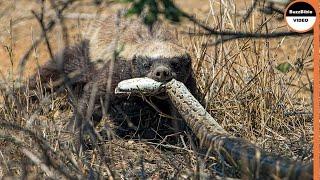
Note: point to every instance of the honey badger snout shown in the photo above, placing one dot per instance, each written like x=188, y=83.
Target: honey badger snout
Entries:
x=162, y=74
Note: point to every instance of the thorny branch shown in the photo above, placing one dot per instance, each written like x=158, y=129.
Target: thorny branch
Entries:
x=232, y=35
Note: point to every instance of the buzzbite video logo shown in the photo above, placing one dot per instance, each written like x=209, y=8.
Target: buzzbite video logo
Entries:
x=300, y=16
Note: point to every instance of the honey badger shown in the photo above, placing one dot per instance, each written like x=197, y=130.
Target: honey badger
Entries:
x=114, y=50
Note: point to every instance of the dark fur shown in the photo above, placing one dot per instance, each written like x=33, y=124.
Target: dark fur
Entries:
x=77, y=59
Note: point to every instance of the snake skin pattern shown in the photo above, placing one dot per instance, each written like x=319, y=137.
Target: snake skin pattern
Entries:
x=253, y=162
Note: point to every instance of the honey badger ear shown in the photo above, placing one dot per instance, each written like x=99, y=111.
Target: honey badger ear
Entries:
x=134, y=60
x=186, y=58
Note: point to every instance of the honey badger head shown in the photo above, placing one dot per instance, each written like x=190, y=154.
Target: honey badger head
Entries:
x=161, y=61
x=155, y=56
x=161, y=68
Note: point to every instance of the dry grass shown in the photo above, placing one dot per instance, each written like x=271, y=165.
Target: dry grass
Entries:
x=243, y=90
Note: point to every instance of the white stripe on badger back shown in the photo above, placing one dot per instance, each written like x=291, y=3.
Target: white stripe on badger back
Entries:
x=134, y=39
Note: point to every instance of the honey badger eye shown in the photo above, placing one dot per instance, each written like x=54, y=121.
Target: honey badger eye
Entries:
x=146, y=65
x=174, y=65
